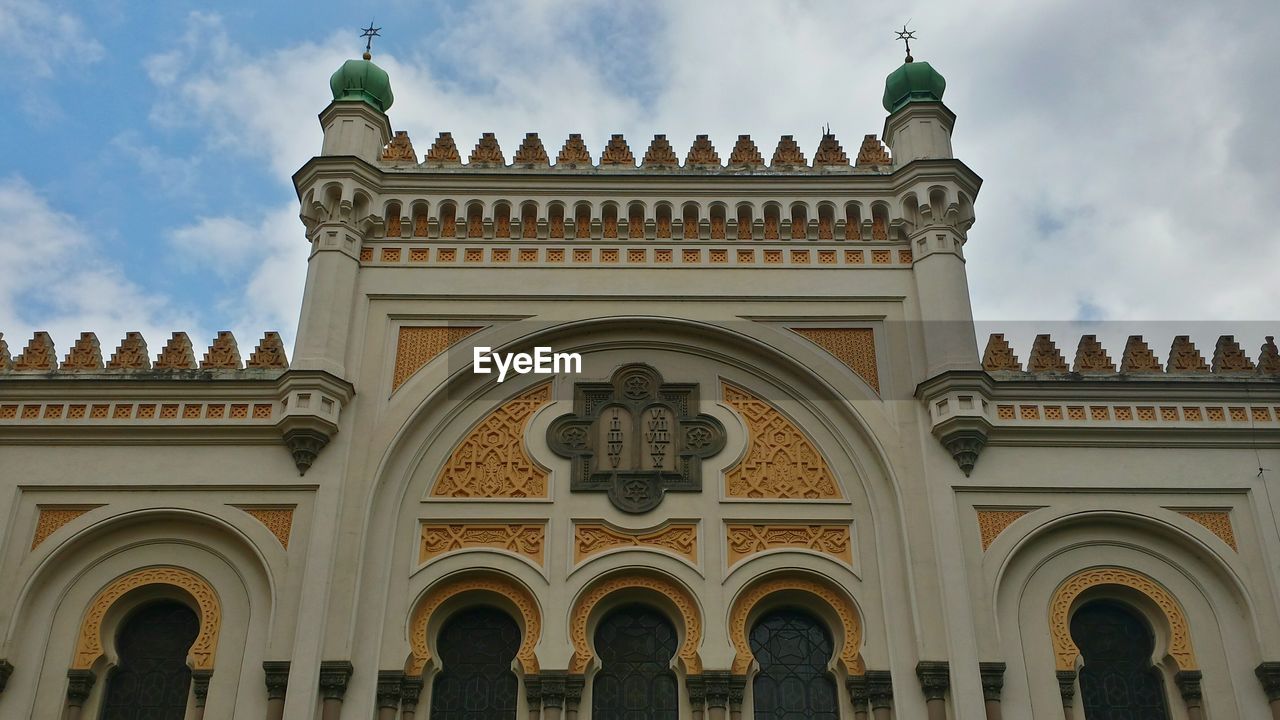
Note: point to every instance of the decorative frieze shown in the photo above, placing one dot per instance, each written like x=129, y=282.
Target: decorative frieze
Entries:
x=525, y=539
x=593, y=538
x=781, y=462
x=747, y=539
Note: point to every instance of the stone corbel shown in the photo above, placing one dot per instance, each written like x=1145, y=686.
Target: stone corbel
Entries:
x=958, y=406
x=312, y=402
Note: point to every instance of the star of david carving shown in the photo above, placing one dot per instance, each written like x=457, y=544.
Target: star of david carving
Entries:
x=635, y=438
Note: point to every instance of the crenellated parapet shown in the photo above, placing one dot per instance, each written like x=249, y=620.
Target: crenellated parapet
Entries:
x=616, y=156
x=1230, y=400
x=131, y=397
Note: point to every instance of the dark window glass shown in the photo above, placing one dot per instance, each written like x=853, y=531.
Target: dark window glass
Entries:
x=635, y=644
x=476, y=682
x=1117, y=681
x=793, y=649
x=152, y=679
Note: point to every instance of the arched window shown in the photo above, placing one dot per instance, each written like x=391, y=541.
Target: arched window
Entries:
x=635, y=644
x=476, y=648
x=152, y=679
x=793, y=650
x=1118, y=679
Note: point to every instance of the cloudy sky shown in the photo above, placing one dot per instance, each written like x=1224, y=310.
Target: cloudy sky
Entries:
x=1130, y=150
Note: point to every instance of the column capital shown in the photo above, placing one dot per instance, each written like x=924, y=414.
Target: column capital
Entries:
x=880, y=689
x=1067, y=686
x=200, y=685
x=277, y=676
x=6, y=669
x=334, y=676
x=410, y=691
x=1188, y=682
x=992, y=674
x=79, y=684
x=1269, y=675
x=857, y=687
x=697, y=687
x=717, y=683
x=554, y=688
x=935, y=678
x=390, y=688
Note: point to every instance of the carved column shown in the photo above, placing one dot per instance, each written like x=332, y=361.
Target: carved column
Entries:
x=857, y=687
x=1188, y=682
x=573, y=695
x=389, y=692
x=935, y=679
x=6, y=669
x=717, y=694
x=1067, y=689
x=992, y=674
x=737, y=688
x=79, y=684
x=553, y=692
x=334, y=676
x=200, y=689
x=697, y=688
x=533, y=696
x=277, y=672
x=410, y=691
x=1269, y=675
x=880, y=693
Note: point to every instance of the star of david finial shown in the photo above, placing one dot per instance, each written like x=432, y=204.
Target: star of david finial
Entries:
x=906, y=36
x=370, y=32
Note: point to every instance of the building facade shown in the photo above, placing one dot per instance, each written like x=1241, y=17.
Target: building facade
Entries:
x=782, y=480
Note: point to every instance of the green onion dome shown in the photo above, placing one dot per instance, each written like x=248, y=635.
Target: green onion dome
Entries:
x=361, y=80
x=913, y=82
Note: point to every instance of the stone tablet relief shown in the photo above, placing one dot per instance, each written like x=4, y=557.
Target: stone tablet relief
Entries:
x=636, y=438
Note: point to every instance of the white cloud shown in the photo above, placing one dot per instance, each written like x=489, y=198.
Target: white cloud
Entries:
x=56, y=280
x=1127, y=149
x=44, y=38
x=263, y=266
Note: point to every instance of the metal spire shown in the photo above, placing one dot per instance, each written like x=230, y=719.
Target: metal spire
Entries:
x=370, y=32
x=907, y=36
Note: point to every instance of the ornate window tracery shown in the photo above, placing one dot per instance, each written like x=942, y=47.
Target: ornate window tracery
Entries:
x=1117, y=681
x=793, y=649
x=152, y=680
x=476, y=647
x=635, y=644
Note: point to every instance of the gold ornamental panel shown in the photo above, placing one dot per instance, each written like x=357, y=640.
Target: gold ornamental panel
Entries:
x=205, y=647
x=671, y=590
x=491, y=461
x=1064, y=648
x=513, y=591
